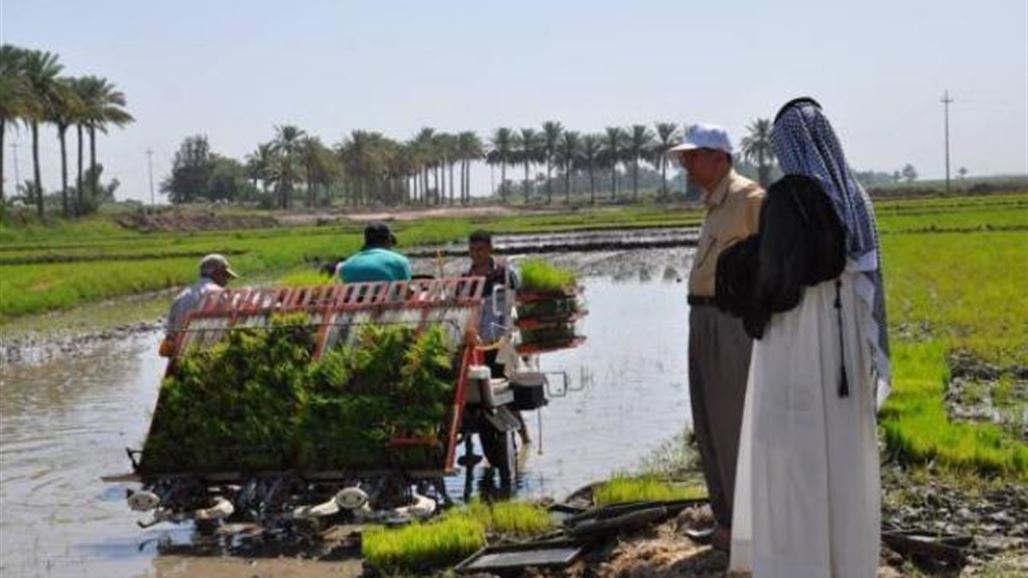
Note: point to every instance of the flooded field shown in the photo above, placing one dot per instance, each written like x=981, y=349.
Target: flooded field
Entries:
x=65, y=423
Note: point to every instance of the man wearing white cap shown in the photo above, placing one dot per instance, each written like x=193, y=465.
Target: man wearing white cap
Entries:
x=719, y=348
x=215, y=274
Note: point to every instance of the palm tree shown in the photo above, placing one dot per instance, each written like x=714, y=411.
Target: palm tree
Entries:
x=640, y=141
x=16, y=100
x=613, y=151
x=287, y=144
x=502, y=153
x=667, y=138
x=568, y=153
x=40, y=70
x=426, y=153
x=550, y=142
x=64, y=110
x=261, y=164
x=469, y=149
x=320, y=167
x=447, y=147
x=529, y=150
x=102, y=104
x=592, y=147
x=756, y=147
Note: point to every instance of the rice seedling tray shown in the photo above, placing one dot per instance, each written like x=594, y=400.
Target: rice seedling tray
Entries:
x=505, y=558
x=321, y=382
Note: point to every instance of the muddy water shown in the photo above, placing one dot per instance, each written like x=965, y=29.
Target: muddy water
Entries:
x=64, y=424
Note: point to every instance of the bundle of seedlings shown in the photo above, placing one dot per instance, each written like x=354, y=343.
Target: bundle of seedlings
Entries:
x=425, y=547
x=257, y=402
x=235, y=405
x=547, y=305
x=392, y=384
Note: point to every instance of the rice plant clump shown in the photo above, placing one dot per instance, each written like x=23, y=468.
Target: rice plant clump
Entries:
x=542, y=276
x=257, y=401
x=456, y=535
x=235, y=404
x=520, y=519
x=623, y=489
x=422, y=547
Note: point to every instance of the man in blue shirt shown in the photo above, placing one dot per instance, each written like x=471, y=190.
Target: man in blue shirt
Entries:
x=376, y=261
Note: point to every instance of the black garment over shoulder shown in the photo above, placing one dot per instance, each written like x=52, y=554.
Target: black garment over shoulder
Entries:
x=800, y=242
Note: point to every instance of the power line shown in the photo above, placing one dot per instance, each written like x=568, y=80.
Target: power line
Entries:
x=946, y=100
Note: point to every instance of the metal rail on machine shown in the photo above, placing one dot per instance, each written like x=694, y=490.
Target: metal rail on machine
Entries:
x=454, y=301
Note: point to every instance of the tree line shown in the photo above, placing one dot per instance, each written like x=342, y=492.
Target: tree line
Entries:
x=33, y=92
x=434, y=167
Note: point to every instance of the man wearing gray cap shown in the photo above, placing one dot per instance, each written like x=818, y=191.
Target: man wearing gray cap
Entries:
x=215, y=274
x=719, y=348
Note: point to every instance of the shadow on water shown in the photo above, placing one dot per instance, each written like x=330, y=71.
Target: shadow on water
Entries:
x=66, y=423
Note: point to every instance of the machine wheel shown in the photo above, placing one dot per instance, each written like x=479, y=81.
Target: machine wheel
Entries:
x=500, y=449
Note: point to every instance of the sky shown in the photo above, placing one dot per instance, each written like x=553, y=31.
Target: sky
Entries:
x=235, y=70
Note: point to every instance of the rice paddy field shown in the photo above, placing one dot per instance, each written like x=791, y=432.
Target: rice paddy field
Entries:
x=956, y=279
x=67, y=264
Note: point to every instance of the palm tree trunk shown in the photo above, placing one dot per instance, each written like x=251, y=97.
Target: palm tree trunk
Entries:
x=567, y=184
x=61, y=134
x=526, y=182
x=614, y=181
x=3, y=131
x=94, y=179
x=635, y=179
x=503, y=179
x=463, y=181
x=451, y=182
x=592, y=186
x=549, y=181
x=80, y=206
x=35, y=168
x=663, y=174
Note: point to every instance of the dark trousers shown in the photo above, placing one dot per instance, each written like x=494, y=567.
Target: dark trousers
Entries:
x=719, y=363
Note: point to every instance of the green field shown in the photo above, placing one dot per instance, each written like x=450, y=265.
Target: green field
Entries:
x=956, y=283
x=69, y=264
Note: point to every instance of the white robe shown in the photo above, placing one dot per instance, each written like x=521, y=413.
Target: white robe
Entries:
x=807, y=499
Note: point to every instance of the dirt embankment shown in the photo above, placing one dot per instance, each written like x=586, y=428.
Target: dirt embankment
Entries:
x=181, y=221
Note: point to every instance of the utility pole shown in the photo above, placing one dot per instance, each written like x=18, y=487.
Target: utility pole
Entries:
x=149, y=164
x=946, y=100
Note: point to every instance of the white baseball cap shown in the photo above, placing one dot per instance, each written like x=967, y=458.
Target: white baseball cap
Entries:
x=705, y=136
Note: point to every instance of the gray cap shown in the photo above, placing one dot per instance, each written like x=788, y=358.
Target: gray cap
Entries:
x=213, y=263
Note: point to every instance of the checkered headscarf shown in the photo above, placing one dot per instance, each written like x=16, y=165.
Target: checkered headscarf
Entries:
x=805, y=144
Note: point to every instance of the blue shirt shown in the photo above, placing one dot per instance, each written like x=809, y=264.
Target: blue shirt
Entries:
x=375, y=265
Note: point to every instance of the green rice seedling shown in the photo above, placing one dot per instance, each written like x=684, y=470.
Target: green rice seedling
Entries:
x=256, y=401
x=917, y=427
x=539, y=275
x=518, y=519
x=623, y=489
x=422, y=547
x=234, y=405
